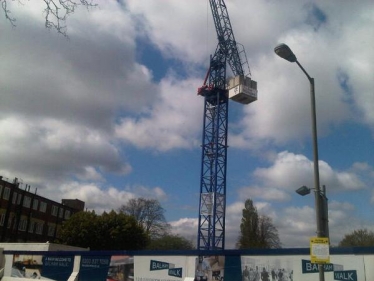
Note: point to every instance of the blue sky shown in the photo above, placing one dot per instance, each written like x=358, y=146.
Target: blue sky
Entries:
x=112, y=113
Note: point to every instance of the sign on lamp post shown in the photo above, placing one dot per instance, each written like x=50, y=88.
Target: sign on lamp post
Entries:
x=319, y=250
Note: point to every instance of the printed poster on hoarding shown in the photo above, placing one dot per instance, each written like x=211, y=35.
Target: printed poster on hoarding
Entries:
x=164, y=268
x=56, y=268
x=121, y=269
x=171, y=268
x=209, y=268
x=106, y=268
x=94, y=268
x=300, y=268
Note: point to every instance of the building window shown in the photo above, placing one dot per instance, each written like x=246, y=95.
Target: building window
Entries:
x=14, y=198
x=1, y=189
x=43, y=207
x=2, y=219
x=51, y=230
x=22, y=224
x=31, y=227
x=6, y=193
x=61, y=213
x=54, y=210
x=9, y=222
x=67, y=214
x=39, y=228
x=26, y=202
x=35, y=204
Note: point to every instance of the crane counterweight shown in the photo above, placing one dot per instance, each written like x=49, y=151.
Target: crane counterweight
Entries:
x=242, y=89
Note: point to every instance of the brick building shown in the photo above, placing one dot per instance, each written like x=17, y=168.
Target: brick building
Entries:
x=28, y=217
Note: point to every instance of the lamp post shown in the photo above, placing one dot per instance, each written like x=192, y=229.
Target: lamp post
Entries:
x=286, y=53
x=304, y=190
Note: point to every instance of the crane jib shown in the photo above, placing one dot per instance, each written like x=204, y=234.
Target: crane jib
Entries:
x=225, y=35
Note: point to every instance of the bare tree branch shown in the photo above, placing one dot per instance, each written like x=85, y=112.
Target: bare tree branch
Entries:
x=56, y=12
x=149, y=214
x=4, y=5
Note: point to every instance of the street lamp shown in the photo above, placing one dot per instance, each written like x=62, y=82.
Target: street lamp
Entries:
x=286, y=53
x=304, y=190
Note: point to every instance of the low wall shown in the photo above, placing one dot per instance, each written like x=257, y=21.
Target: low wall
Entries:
x=352, y=264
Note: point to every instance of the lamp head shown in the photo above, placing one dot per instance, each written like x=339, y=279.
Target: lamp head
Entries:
x=285, y=52
x=304, y=190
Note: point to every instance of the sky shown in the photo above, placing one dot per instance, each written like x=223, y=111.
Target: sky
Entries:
x=111, y=112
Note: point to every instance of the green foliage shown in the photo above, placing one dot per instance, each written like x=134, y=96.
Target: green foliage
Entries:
x=358, y=238
x=249, y=227
x=80, y=230
x=170, y=242
x=256, y=231
x=110, y=231
x=120, y=231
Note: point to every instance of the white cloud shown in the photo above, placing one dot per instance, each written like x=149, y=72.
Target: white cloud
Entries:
x=100, y=198
x=58, y=111
x=296, y=225
x=359, y=37
x=164, y=28
x=186, y=227
x=264, y=193
x=86, y=79
x=50, y=149
x=333, y=205
x=146, y=192
x=290, y=171
x=282, y=112
x=95, y=196
x=172, y=122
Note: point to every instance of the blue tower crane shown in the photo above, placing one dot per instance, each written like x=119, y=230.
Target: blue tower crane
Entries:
x=217, y=91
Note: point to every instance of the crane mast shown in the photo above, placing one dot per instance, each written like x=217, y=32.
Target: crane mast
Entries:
x=216, y=92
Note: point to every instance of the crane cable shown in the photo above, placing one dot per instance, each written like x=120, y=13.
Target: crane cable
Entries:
x=207, y=28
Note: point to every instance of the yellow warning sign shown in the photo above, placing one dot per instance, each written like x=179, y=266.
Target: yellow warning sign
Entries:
x=319, y=250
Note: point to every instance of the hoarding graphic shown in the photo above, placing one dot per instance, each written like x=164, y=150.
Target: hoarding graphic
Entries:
x=209, y=268
x=186, y=268
x=347, y=275
x=58, y=268
x=121, y=269
x=159, y=265
x=309, y=267
x=94, y=268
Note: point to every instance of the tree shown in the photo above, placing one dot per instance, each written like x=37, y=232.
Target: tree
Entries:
x=171, y=242
x=358, y=238
x=56, y=12
x=248, y=226
x=110, y=231
x=149, y=214
x=268, y=233
x=120, y=231
x=256, y=231
x=80, y=230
